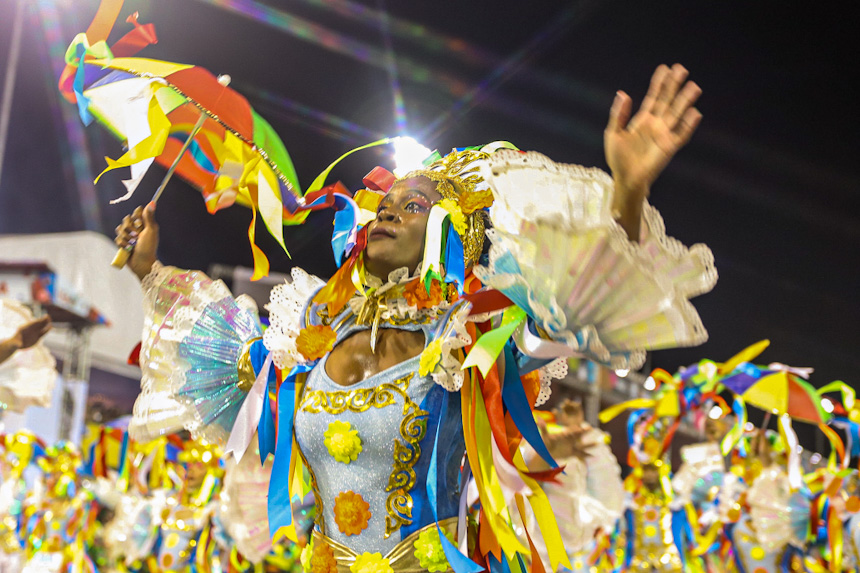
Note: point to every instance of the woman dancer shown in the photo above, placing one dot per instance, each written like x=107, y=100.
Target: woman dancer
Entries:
x=372, y=379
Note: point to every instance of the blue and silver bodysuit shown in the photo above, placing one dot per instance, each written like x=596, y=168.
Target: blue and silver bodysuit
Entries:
x=396, y=416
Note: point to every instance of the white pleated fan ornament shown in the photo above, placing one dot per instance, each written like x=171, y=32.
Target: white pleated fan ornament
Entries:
x=559, y=254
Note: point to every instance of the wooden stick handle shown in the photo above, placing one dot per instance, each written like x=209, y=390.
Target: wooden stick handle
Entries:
x=121, y=257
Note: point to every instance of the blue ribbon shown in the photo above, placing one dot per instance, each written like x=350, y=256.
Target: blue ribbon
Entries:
x=514, y=398
x=171, y=453
x=681, y=533
x=455, y=266
x=196, y=152
x=628, y=554
x=632, y=420
x=280, y=510
x=459, y=562
x=78, y=87
x=266, y=427
x=123, y=453
x=87, y=468
x=345, y=225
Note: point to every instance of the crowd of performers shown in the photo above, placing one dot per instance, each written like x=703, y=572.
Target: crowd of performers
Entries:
x=173, y=504
x=179, y=505
x=400, y=394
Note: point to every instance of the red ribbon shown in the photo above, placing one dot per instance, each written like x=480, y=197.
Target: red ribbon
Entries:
x=379, y=179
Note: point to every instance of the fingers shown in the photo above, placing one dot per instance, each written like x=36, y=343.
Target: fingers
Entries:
x=669, y=86
x=688, y=124
x=149, y=216
x=619, y=113
x=129, y=229
x=126, y=232
x=682, y=102
x=655, y=88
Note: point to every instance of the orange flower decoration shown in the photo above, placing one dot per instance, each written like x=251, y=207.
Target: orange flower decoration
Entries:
x=351, y=513
x=471, y=202
x=416, y=294
x=322, y=558
x=314, y=341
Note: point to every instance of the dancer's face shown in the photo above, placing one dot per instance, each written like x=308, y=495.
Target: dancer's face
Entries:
x=395, y=238
x=194, y=474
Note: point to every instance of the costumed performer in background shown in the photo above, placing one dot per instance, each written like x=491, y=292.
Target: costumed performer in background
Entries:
x=588, y=498
x=375, y=394
x=27, y=369
x=24, y=337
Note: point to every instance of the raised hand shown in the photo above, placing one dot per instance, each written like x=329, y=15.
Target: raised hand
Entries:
x=25, y=336
x=638, y=148
x=140, y=231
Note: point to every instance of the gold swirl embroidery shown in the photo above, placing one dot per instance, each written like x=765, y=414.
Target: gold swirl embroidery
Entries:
x=402, y=479
x=360, y=400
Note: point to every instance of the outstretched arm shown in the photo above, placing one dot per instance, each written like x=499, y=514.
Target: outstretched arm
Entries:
x=638, y=148
x=26, y=336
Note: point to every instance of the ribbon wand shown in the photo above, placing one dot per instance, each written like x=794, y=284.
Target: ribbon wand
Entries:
x=122, y=255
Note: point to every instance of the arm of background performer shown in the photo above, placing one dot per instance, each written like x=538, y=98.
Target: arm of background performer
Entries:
x=26, y=336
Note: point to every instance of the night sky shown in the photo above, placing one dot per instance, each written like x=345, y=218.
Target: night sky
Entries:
x=770, y=181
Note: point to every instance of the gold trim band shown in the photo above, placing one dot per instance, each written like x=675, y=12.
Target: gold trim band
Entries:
x=401, y=558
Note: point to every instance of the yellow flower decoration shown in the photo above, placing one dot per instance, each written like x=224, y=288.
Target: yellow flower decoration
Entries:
x=371, y=563
x=351, y=513
x=471, y=202
x=457, y=217
x=315, y=341
x=430, y=357
x=342, y=442
x=429, y=552
x=322, y=559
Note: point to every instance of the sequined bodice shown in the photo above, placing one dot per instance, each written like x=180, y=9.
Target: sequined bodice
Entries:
x=751, y=554
x=179, y=532
x=368, y=447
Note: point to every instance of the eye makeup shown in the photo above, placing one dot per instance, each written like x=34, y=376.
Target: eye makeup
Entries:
x=412, y=199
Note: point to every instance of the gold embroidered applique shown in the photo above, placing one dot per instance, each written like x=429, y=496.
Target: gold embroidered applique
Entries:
x=360, y=400
x=402, y=479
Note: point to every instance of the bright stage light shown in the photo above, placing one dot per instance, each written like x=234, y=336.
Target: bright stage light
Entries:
x=715, y=413
x=650, y=384
x=408, y=155
x=827, y=405
x=622, y=372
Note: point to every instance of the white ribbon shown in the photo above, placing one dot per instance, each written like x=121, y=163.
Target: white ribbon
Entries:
x=533, y=345
x=509, y=477
x=795, y=478
x=433, y=241
x=249, y=414
x=803, y=372
x=136, y=116
x=462, y=526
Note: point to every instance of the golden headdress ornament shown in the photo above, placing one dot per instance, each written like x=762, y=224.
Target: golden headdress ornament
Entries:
x=464, y=191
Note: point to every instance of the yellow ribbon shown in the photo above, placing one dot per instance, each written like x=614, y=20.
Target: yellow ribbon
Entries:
x=150, y=147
